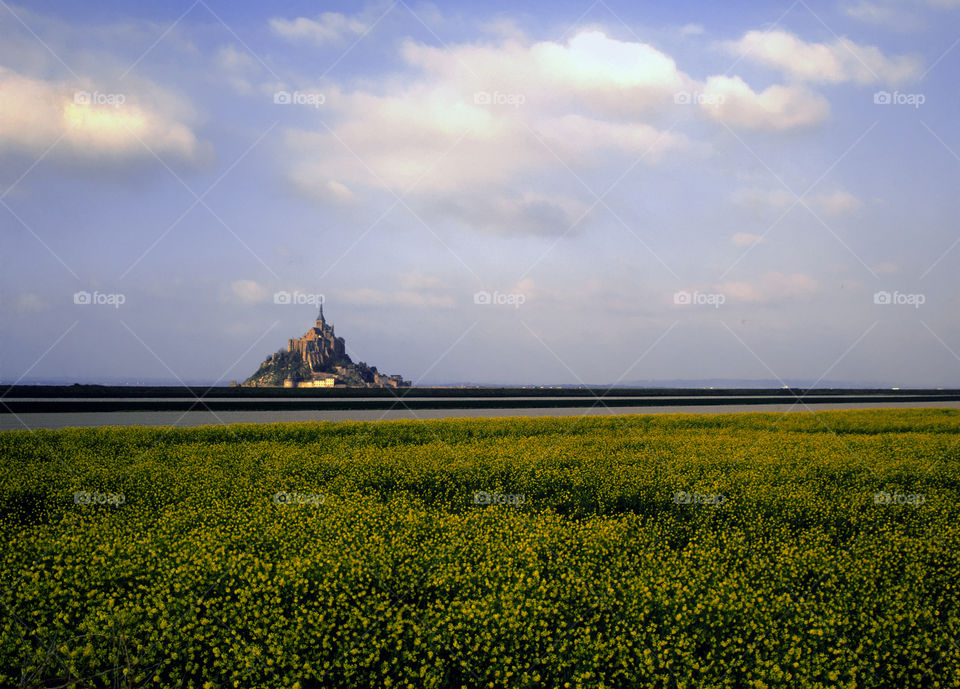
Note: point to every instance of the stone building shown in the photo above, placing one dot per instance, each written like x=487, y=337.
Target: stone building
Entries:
x=319, y=346
x=318, y=359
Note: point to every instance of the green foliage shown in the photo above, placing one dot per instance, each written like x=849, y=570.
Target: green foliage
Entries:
x=279, y=367
x=596, y=576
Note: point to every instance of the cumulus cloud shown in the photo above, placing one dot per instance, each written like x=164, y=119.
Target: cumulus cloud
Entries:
x=416, y=280
x=612, y=78
x=839, y=203
x=886, y=268
x=236, y=66
x=778, y=108
x=509, y=212
x=321, y=189
x=329, y=27
x=839, y=61
x=834, y=203
x=414, y=289
x=467, y=135
x=746, y=239
x=402, y=297
x=95, y=123
x=757, y=199
x=475, y=130
x=881, y=14
x=896, y=14
x=574, y=134
x=30, y=302
x=770, y=288
x=248, y=291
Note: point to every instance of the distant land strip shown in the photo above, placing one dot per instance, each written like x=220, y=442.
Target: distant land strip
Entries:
x=132, y=391
x=71, y=399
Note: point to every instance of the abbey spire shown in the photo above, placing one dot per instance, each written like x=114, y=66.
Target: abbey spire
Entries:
x=320, y=321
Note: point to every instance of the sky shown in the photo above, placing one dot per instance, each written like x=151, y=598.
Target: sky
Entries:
x=497, y=193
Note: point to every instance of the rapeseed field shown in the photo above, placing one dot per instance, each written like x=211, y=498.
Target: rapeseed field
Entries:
x=747, y=550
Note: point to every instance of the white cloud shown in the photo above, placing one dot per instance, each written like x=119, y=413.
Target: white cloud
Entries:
x=248, y=291
x=692, y=30
x=94, y=122
x=757, y=199
x=574, y=134
x=30, y=302
x=436, y=138
x=592, y=60
x=778, y=108
x=832, y=203
x=880, y=14
x=416, y=280
x=410, y=298
x=236, y=66
x=329, y=27
x=836, y=62
x=839, y=203
x=886, y=268
x=476, y=132
x=904, y=15
x=414, y=289
x=321, y=189
x=592, y=71
x=770, y=288
x=509, y=212
x=746, y=239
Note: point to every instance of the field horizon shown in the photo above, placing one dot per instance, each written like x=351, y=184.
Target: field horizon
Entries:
x=748, y=550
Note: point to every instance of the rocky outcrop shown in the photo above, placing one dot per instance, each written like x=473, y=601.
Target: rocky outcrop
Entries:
x=318, y=359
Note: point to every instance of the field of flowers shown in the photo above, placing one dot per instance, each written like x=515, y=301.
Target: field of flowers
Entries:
x=748, y=550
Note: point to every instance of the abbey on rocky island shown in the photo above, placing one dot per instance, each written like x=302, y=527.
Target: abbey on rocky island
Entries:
x=319, y=359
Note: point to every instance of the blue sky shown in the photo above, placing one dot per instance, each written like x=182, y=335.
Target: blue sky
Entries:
x=671, y=191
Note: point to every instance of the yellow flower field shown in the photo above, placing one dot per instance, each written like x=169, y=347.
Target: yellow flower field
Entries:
x=748, y=550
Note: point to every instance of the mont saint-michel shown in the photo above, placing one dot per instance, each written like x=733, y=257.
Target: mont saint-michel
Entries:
x=319, y=359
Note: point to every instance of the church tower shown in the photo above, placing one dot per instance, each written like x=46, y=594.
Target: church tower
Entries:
x=321, y=323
